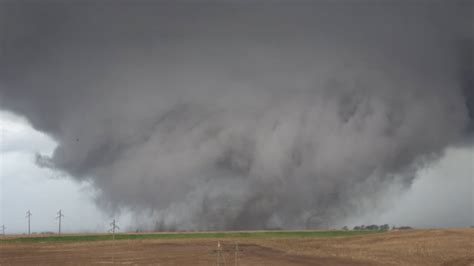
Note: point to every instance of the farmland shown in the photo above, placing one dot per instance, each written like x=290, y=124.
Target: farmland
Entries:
x=171, y=235
x=413, y=247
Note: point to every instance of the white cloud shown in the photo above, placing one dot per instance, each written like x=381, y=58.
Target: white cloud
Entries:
x=17, y=135
x=24, y=185
x=441, y=196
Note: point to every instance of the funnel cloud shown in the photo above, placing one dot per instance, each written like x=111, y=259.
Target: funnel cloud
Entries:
x=241, y=115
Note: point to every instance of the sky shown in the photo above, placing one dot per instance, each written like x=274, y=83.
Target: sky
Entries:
x=441, y=196
x=237, y=115
x=26, y=186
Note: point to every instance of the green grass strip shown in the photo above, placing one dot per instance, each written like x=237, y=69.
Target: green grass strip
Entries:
x=124, y=236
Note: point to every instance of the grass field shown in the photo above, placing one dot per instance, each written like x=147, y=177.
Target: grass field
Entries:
x=442, y=247
x=246, y=234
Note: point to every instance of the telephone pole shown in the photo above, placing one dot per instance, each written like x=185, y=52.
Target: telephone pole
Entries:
x=28, y=215
x=59, y=216
x=3, y=230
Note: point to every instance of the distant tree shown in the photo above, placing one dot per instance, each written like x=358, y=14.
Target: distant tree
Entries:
x=385, y=227
x=357, y=228
x=372, y=227
x=404, y=228
x=345, y=228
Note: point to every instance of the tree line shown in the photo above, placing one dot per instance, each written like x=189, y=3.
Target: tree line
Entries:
x=383, y=227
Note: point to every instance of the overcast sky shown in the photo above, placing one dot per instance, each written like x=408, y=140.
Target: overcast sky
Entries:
x=441, y=196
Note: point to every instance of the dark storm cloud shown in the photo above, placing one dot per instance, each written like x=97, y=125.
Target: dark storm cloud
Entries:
x=241, y=115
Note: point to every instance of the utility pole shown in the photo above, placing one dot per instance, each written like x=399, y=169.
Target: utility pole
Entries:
x=28, y=215
x=60, y=215
x=3, y=230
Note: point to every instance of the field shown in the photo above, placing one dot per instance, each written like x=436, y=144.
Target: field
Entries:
x=410, y=247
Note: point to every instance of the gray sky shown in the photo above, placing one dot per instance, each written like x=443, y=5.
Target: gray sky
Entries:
x=240, y=115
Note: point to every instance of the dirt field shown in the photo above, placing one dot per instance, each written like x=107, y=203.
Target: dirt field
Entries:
x=413, y=247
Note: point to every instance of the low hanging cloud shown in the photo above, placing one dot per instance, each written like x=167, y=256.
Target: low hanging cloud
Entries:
x=241, y=115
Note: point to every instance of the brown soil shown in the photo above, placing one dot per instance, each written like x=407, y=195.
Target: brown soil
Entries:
x=412, y=247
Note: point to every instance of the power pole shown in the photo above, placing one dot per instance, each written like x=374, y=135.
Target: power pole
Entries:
x=28, y=215
x=3, y=230
x=60, y=215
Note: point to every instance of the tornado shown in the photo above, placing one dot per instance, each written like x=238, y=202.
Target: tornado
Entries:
x=219, y=115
